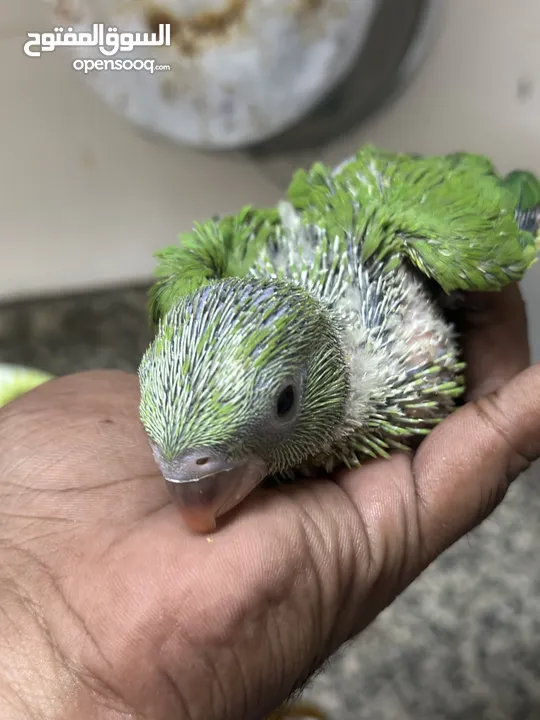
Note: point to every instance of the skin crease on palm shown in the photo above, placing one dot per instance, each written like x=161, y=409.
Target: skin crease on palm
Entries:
x=111, y=608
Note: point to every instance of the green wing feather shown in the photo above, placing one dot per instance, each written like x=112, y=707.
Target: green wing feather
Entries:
x=213, y=250
x=525, y=188
x=452, y=216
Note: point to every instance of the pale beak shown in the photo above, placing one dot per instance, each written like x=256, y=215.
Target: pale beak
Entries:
x=205, y=485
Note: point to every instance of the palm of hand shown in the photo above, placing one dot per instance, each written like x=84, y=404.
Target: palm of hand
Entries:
x=134, y=614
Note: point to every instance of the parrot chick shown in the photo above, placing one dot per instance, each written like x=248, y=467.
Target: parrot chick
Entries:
x=306, y=338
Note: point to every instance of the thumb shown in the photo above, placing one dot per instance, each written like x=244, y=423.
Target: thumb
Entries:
x=464, y=468
x=412, y=511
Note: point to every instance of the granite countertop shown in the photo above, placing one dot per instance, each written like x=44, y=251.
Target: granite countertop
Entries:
x=463, y=642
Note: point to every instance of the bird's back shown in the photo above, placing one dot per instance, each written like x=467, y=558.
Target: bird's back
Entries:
x=450, y=216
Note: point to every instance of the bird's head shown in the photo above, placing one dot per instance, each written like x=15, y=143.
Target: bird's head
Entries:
x=244, y=379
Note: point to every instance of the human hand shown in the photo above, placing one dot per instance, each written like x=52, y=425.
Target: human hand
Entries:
x=111, y=608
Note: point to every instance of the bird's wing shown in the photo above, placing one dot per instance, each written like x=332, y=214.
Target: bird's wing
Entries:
x=451, y=216
x=525, y=188
x=213, y=250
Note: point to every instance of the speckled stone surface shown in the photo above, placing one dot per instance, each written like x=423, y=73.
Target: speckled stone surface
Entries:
x=462, y=643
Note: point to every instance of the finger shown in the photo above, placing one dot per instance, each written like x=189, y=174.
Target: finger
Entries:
x=464, y=468
x=413, y=511
x=495, y=339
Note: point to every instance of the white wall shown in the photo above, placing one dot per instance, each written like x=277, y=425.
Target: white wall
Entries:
x=89, y=200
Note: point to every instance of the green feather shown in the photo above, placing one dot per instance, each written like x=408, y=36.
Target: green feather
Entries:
x=525, y=188
x=214, y=250
x=451, y=216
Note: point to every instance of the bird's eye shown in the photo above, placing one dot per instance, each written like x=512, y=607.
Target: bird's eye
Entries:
x=286, y=402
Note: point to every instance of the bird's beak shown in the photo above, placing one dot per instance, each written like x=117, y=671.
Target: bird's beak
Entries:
x=204, y=486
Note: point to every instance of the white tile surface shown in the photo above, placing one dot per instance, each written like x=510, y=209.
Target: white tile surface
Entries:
x=85, y=200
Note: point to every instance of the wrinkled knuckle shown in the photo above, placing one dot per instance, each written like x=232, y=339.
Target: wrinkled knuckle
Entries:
x=416, y=550
x=408, y=549
x=493, y=417
x=395, y=544
x=490, y=499
x=329, y=581
x=354, y=571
